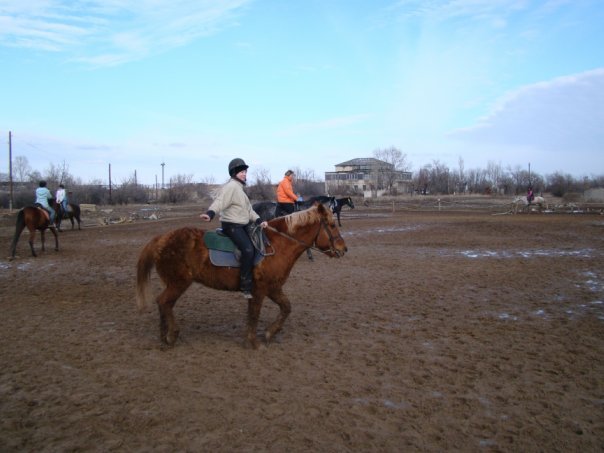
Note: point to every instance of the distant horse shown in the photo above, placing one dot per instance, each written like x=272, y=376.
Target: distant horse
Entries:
x=339, y=204
x=181, y=257
x=73, y=212
x=526, y=205
x=323, y=199
x=34, y=218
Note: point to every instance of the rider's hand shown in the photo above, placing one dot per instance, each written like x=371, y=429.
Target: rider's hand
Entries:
x=264, y=224
x=205, y=217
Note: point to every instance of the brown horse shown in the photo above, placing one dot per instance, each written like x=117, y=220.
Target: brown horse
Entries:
x=34, y=218
x=180, y=258
x=61, y=214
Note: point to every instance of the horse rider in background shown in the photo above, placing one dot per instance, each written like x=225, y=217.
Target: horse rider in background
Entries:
x=61, y=198
x=43, y=196
x=286, y=198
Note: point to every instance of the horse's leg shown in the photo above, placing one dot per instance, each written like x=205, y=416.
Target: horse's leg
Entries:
x=309, y=254
x=19, y=227
x=338, y=214
x=56, y=239
x=253, y=314
x=168, y=328
x=284, y=310
x=32, y=237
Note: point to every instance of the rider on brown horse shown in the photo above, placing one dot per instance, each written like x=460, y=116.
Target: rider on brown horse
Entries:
x=43, y=196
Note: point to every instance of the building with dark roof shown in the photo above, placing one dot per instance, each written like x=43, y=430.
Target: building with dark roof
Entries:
x=367, y=176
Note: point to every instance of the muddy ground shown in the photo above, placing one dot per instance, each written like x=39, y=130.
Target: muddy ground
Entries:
x=439, y=330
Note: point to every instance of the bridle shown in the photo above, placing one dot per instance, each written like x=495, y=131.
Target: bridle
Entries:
x=322, y=225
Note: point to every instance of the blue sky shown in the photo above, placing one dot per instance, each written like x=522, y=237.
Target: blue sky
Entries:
x=303, y=84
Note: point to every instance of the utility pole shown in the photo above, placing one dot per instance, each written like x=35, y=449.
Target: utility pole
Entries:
x=110, y=184
x=10, y=171
x=162, y=175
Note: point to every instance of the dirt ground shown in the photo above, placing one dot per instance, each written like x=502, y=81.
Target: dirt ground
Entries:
x=458, y=330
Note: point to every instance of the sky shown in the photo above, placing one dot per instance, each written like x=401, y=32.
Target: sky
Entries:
x=129, y=85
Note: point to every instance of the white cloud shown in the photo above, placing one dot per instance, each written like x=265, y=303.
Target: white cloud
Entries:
x=109, y=32
x=564, y=115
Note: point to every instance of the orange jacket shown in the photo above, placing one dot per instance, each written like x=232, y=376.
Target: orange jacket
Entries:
x=285, y=193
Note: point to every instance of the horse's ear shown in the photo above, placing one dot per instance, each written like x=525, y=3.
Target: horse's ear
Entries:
x=321, y=208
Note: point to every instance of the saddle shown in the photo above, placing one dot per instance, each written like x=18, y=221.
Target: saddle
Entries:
x=44, y=211
x=224, y=252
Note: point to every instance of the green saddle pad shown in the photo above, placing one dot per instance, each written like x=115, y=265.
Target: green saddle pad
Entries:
x=217, y=241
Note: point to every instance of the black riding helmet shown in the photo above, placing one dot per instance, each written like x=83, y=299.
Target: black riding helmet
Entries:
x=237, y=165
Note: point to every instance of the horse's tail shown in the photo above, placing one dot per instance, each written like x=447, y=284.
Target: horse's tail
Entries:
x=20, y=226
x=145, y=265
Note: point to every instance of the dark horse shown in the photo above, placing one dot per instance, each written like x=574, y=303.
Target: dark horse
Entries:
x=73, y=213
x=267, y=210
x=34, y=218
x=323, y=199
x=339, y=204
x=180, y=258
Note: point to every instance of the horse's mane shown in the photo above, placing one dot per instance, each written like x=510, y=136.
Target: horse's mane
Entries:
x=301, y=218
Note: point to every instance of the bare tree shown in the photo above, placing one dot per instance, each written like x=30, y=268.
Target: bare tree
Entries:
x=21, y=168
x=393, y=156
x=387, y=177
x=263, y=188
x=181, y=188
x=306, y=183
x=130, y=192
x=494, y=173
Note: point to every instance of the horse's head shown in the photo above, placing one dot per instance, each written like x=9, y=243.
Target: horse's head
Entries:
x=328, y=239
x=349, y=202
x=314, y=227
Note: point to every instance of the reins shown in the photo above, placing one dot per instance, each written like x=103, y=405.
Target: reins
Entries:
x=332, y=248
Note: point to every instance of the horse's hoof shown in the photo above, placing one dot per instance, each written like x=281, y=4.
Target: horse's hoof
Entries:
x=167, y=340
x=170, y=339
x=252, y=343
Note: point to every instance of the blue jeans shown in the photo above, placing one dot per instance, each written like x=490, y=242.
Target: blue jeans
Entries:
x=51, y=212
x=240, y=237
